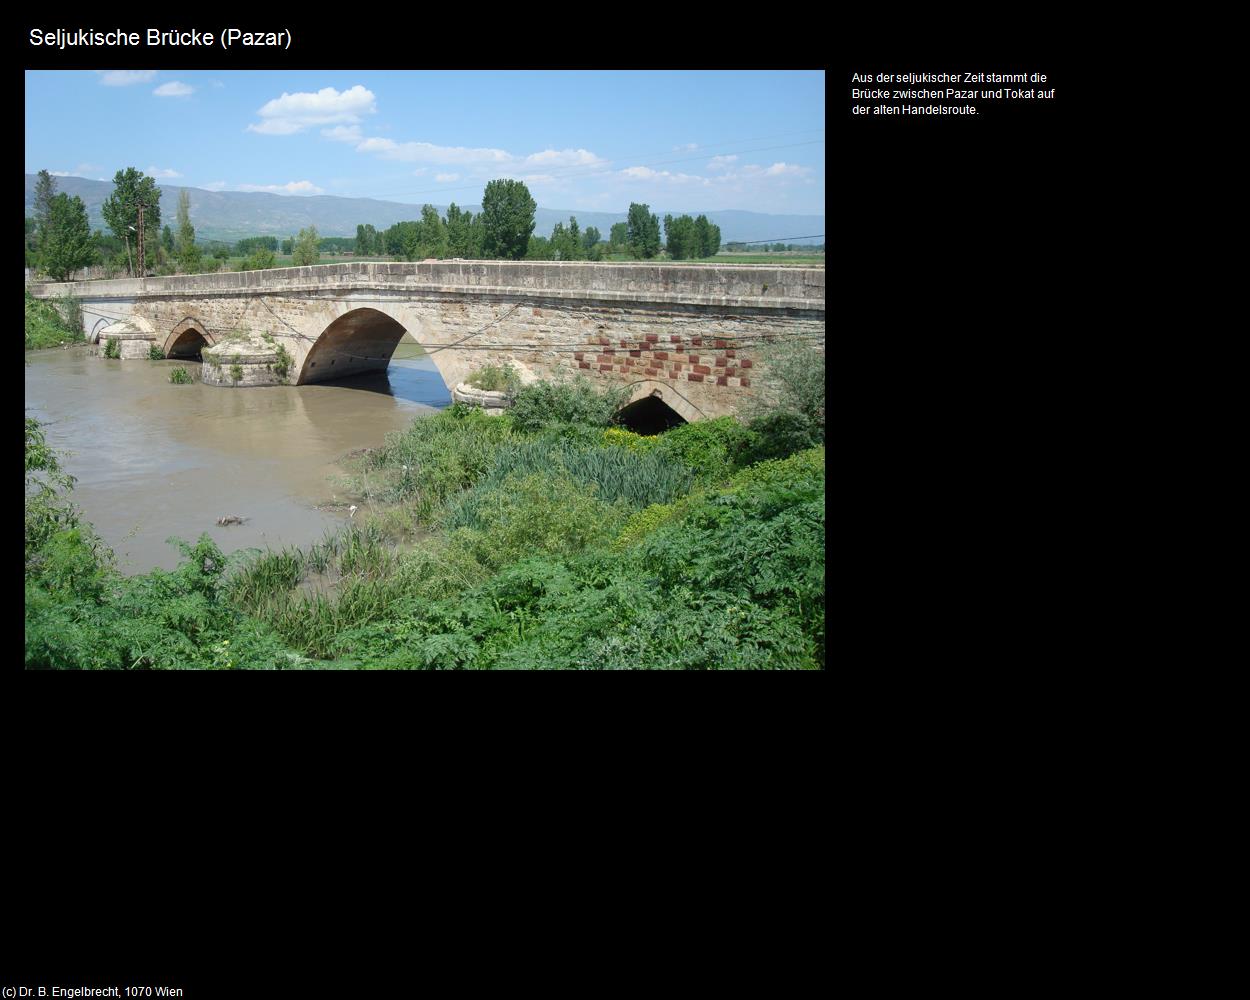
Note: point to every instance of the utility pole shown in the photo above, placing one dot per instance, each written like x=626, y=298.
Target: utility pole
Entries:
x=143, y=270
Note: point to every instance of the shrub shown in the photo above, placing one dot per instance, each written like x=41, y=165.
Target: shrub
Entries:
x=113, y=349
x=46, y=325
x=782, y=433
x=577, y=402
x=282, y=367
x=496, y=378
x=236, y=374
x=714, y=449
x=180, y=376
x=155, y=353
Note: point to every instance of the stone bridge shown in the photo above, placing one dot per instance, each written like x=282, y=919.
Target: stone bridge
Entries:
x=686, y=334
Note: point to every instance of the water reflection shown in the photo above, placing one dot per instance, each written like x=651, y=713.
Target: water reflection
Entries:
x=155, y=459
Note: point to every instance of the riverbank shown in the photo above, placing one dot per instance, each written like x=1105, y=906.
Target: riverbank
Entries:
x=46, y=326
x=554, y=543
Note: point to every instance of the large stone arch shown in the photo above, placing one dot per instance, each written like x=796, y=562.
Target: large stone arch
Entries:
x=182, y=339
x=361, y=339
x=668, y=394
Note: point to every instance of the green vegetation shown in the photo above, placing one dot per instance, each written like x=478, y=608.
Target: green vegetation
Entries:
x=496, y=378
x=555, y=543
x=507, y=219
x=545, y=404
x=691, y=238
x=306, y=251
x=155, y=353
x=187, y=252
x=236, y=374
x=180, y=376
x=643, y=232
x=113, y=348
x=47, y=326
x=132, y=188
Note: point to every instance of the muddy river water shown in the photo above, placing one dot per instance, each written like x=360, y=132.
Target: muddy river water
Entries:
x=154, y=459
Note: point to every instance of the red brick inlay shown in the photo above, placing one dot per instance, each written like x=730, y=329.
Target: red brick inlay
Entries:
x=635, y=354
x=605, y=368
x=651, y=338
x=746, y=363
x=694, y=378
x=722, y=380
x=583, y=364
x=745, y=381
x=703, y=369
x=661, y=355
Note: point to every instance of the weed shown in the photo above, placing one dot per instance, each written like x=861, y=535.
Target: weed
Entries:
x=113, y=349
x=180, y=376
x=236, y=374
x=155, y=353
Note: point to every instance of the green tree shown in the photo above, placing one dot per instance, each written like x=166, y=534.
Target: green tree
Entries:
x=305, y=251
x=643, y=232
x=590, y=239
x=682, y=237
x=188, y=253
x=132, y=188
x=459, y=231
x=433, y=234
x=708, y=237
x=167, y=240
x=66, y=244
x=508, y=219
x=619, y=237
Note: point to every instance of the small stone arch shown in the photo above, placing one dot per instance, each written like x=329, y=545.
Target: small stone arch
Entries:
x=187, y=339
x=666, y=394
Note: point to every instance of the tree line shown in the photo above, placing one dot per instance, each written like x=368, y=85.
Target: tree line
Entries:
x=59, y=241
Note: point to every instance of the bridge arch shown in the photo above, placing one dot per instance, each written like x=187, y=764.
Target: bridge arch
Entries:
x=649, y=399
x=188, y=339
x=361, y=340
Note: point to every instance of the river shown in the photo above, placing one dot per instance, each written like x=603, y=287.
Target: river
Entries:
x=154, y=459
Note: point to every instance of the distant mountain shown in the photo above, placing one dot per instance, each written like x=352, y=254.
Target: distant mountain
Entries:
x=233, y=215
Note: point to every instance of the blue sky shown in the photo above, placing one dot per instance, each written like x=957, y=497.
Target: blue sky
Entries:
x=689, y=141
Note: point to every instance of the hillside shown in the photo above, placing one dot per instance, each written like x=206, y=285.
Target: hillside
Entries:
x=233, y=215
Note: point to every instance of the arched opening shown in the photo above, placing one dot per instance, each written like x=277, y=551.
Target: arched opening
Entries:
x=187, y=340
x=649, y=415
x=189, y=344
x=367, y=349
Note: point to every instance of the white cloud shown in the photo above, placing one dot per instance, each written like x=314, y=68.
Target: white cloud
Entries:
x=446, y=178
x=162, y=172
x=343, y=133
x=426, y=152
x=173, y=89
x=647, y=174
x=721, y=162
x=126, y=77
x=564, y=158
x=60, y=173
x=86, y=168
x=293, y=113
x=294, y=187
x=788, y=169
x=689, y=147
x=215, y=186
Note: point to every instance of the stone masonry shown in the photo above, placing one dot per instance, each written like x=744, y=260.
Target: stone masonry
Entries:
x=687, y=333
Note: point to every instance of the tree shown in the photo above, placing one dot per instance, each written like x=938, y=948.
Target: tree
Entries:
x=508, y=219
x=566, y=244
x=45, y=191
x=643, y=231
x=619, y=236
x=433, y=241
x=459, y=232
x=305, y=251
x=66, y=243
x=188, y=253
x=682, y=241
x=131, y=188
x=590, y=238
x=708, y=237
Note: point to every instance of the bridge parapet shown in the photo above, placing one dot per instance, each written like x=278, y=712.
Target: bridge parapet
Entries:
x=710, y=284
